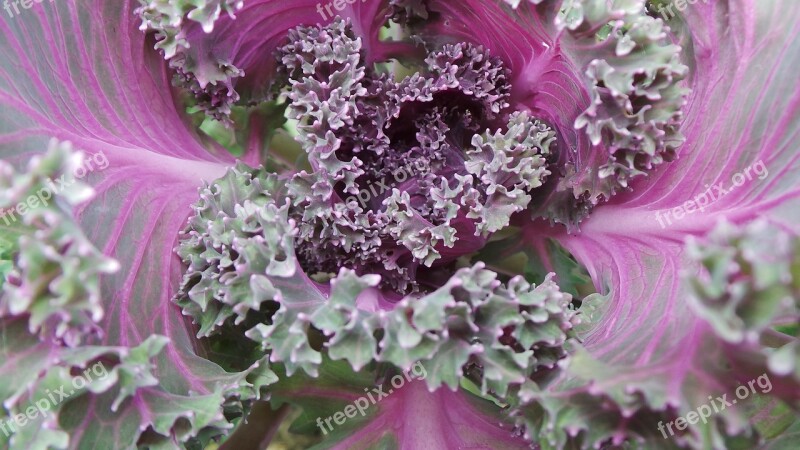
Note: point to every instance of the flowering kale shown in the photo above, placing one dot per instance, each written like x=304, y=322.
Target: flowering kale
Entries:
x=402, y=176
x=415, y=224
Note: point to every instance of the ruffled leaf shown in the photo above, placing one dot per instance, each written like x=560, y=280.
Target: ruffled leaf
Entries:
x=122, y=105
x=55, y=277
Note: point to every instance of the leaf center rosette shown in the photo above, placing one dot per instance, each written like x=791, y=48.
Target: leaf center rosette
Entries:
x=407, y=173
x=369, y=251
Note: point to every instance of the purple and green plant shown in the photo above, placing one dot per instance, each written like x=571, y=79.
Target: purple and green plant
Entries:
x=298, y=208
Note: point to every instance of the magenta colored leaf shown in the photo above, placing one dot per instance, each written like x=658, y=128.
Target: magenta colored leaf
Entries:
x=743, y=117
x=83, y=72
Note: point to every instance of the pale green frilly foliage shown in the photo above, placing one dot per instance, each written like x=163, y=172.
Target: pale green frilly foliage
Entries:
x=55, y=279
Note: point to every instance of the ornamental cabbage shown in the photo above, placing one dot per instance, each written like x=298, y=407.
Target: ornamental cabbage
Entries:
x=414, y=224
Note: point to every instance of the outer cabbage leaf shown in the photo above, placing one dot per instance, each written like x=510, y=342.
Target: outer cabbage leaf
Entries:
x=406, y=417
x=83, y=72
x=648, y=351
